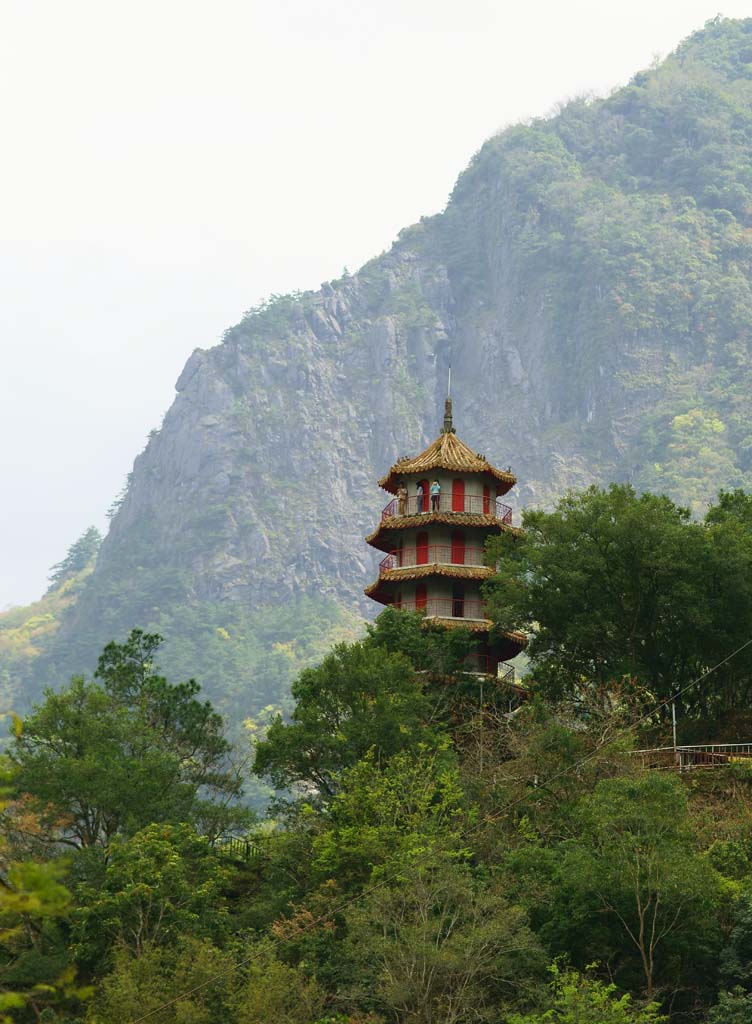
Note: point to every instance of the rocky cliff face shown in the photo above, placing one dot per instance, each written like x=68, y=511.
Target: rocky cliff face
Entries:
x=261, y=482
x=589, y=281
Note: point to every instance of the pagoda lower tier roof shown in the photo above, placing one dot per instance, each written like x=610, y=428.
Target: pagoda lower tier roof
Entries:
x=481, y=626
x=512, y=636
x=507, y=643
x=418, y=572
x=446, y=452
x=382, y=537
x=510, y=641
x=474, y=625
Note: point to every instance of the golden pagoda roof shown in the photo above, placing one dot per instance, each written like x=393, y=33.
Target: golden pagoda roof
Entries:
x=512, y=636
x=382, y=539
x=446, y=452
x=417, y=572
x=482, y=626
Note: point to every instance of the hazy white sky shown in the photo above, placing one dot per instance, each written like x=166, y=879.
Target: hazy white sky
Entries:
x=165, y=165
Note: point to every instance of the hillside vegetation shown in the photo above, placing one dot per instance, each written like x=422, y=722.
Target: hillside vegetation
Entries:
x=440, y=849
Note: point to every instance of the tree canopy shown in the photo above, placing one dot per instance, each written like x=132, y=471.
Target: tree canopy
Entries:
x=109, y=756
x=625, y=590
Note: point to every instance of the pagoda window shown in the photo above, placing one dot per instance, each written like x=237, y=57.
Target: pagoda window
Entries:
x=398, y=599
x=399, y=554
x=486, y=500
x=458, y=601
x=458, y=548
x=421, y=597
x=421, y=548
x=458, y=495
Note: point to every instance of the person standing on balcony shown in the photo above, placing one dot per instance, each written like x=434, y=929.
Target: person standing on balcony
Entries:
x=419, y=492
x=401, y=499
x=435, y=495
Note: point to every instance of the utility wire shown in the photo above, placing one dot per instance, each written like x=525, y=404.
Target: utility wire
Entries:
x=486, y=820
x=489, y=819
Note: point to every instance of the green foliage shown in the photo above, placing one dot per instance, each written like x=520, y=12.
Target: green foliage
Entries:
x=80, y=556
x=26, y=632
x=159, y=887
x=579, y=999
x=97, y=760
x=138, y=985
x=736, y=957
x=201, y=985
x=624, y=593
x=634, y=862
x=696, y=461
x=396, y=813
x=245, y=658
x=273, y=990
x=361, y=698
x=37, y=977
x=429, y=647
x=733, y=1008
x=439, y=943
x=606, y=582
x=429, y=884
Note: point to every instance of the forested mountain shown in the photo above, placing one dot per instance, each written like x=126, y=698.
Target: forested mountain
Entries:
x=589, y=280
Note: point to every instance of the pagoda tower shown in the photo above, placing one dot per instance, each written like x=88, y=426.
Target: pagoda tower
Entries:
x=434, y=543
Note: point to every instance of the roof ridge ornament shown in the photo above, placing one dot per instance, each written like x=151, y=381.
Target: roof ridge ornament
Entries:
x=448, y=427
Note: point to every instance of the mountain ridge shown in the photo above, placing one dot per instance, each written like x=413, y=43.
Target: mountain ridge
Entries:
x=589, y=280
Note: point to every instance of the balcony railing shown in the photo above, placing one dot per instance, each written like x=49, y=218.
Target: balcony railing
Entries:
x=446, y=608
x=700, y=755
x=473, y=504
x=431, y=554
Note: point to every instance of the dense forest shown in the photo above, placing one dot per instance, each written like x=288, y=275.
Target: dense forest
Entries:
x=437, y=848
x=590, y=279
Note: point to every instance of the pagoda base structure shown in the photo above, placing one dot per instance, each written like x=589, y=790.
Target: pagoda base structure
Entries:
x=446, y=504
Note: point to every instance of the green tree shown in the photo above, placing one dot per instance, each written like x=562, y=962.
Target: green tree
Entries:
x=159, y=886
x=624, y=594
x=610, y=585
x=396, y=919
x=275, y=991
x=197, y=983
x=728, y=599
x=634, y=867
x=430, y=648
x=578, y=999
x=361, y=697
x=37, y=977
x=438, y=943
x=413, y=804
x=733, y=1008
x=195, y=979
x=697, y=460
x=79, y=556
x=97, y=759
x=736, y=956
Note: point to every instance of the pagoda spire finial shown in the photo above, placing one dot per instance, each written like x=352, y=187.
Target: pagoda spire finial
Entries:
x=448, y=426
